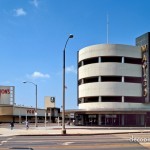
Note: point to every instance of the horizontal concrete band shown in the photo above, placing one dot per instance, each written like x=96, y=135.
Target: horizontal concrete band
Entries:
x=107, y=69
x=22, y=111
x=114, y=106
x=110, y=89
x=110, y=50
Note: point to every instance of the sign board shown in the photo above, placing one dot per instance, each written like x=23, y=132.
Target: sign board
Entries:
x=71, y=115
x=6, y=95
x=30, y=111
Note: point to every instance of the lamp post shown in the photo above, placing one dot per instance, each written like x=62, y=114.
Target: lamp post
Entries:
x=35, y=100
x=63, y=102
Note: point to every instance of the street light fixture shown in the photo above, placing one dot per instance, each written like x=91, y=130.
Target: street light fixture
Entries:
x=63, y=103
x=35, y=100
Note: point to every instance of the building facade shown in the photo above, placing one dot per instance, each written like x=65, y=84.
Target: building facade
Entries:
x=144, y=42
x=113, y=88
x=9, y=111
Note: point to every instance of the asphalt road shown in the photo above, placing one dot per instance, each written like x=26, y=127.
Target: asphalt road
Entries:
x=91, y=142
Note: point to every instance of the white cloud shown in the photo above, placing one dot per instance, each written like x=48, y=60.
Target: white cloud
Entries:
x=37, y=74
x=71, y=69
x=20, y=12
x=35, y=3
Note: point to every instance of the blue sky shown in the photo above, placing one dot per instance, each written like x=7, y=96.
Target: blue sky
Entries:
x=33, y=34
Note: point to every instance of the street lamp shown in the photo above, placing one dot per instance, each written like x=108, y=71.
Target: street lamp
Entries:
x=63, y=102
x=35, y=100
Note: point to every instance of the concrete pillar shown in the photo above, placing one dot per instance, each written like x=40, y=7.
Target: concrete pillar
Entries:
x=82, y=81
x=100, y=99
x=82, y=100
x=122, y=99
x=99, y=120
x=19, y=115
x=99, y=79
x=99, y=59
x=123, y=96
x=122, y=59
x=105, y=120
x=122, y=120
x=138, y=117
x=82, y=63
x=19, y=119
x=142, y=120
x=82, y=123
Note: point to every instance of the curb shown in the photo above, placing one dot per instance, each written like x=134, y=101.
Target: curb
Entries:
x=83, y=134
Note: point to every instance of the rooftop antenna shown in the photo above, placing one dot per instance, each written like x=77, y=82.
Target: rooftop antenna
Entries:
x=107, y=27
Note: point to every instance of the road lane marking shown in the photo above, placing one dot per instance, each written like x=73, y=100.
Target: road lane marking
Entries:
x=67, y=143
x=146, y=145
x=2, y=142
x=99, y=146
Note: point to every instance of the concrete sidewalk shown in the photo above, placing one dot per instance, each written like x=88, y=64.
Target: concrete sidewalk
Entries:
x=70, y=130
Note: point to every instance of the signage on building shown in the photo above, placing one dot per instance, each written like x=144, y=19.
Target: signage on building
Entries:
x=6, y=94
x=30, y=111
x=71, y=115
x=4, y=91
x=144, y=43
x=144, y=69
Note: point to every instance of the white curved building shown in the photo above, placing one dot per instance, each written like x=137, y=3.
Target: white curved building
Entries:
x=110, y=85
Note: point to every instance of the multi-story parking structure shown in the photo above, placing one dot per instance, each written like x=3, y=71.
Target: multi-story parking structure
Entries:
x=110, y=85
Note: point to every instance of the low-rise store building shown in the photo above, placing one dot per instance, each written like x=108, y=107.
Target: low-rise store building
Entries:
x=9, y=111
